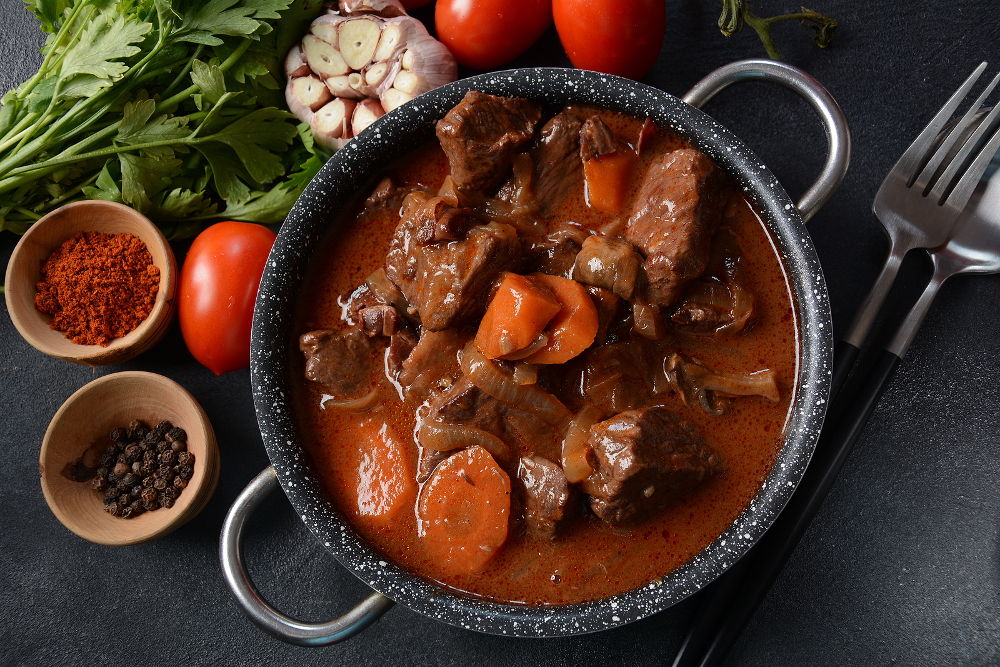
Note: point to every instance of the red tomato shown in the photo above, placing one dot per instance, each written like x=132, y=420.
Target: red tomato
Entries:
x=487, y=33
x=217, y=291
x=611, y=36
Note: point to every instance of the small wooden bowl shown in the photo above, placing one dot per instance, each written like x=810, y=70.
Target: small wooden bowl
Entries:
x=87, y=417
x=24, y=270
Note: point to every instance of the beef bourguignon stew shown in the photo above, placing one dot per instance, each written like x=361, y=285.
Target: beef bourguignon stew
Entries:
x=551, y=357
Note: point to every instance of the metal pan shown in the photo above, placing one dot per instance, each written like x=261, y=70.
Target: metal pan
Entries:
x=355, y=168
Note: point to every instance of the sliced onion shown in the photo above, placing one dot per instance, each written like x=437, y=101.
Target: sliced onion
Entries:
x=525, y=374
x=489, y=377
x=441, y=437
x=695, y=382
x=362, y=404
x=576, y=450
x=541, y=340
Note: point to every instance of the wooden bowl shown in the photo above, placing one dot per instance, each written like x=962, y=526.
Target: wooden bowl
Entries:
x=24, y=270
x=87, y=417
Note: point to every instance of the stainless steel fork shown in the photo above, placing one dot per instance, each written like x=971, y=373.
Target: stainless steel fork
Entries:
x=920, y=201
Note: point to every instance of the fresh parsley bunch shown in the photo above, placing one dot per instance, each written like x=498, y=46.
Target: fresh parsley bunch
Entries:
x=174, y=107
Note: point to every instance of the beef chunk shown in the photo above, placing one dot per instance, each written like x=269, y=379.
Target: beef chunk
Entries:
x=379, y=320
x=556, y=158
x=546, y=495
x=677, y=211
x=607, y=304
x=439, y=220
x=401, y=344
x=433, y=359
x=609, y=262
x=596, y=139
x=646, y=459
x=341, y=361
x=464, y=403
x=554, y=255
x=480, y=136
x=445, y=283
x=612, y=377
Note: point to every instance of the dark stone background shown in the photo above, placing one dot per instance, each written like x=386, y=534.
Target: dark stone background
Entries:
x=901, y=565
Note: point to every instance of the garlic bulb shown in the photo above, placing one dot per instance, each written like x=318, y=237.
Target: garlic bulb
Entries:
x=359, y=63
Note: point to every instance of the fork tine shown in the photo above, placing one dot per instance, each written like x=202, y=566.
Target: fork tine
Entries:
x=913, y=158
x=963, y=190
x=926, y=178
x=958, y=161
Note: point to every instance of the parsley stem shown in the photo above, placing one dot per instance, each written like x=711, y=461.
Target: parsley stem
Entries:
x=19, y=130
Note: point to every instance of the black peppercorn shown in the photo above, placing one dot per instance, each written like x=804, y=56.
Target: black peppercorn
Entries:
x=165, y=472
x=185, y=459
x=149, y=455
x=124, y=499
x=178, y=446
x=185, y=472
x=151, y=505
x=136, y=491
x=133, y=453
x=130, y=479
x=112, y=509
x=167, y=458
x=110, y=496
x=167, y=502
x=102, y=472
x=160, y=484
x=177, y=433
x=117, y=434
x=162, y=446
x=108, y=458
x=98, y=483
x=180, y=483
x=148, y=468
x=136, y=508
x=120, y=469
x=147, y=482
x=162, y=427
x=169, y=492
x=148, y=495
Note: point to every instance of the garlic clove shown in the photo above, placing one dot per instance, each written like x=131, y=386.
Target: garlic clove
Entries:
x=394, y=35
x=393, y=98
x=333, y=122
x=386, y=8
x=340, y=86
x=295, y=62
x=325, y=27
x=323, y=59
x=365, y=113
x=358, y=40
x=408, y=82
x=309, y=92
x=406, y=60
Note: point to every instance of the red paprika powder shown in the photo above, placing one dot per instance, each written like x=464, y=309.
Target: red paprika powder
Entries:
x=98, y=287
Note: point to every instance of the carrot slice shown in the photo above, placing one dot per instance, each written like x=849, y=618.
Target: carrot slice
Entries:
x=519, y=311
x=464, y=509
x=386, y=485
x=607, y=179
x=574, y=328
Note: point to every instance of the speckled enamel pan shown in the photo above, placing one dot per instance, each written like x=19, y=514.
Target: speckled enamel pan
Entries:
x=352, y=172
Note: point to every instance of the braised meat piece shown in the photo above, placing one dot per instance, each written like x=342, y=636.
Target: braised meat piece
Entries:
x=546, y=495
x=434, y=358
x=646, y=459
x=439, y=220
x=480, y=136
x=401, y=344
x=341, y=361
x=553, y=255
x=677, y=211
x=556, y=157
x=379, y=320
x=612, y=378
x=607, y=303
x=464, y=403
x=596, y=139
x=445, y=281
x=609, y=262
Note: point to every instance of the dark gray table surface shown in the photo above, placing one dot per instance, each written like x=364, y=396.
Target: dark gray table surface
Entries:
x=901, y=565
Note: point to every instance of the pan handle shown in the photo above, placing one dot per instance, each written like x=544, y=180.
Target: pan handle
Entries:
x=834, y=122
x=260, y=612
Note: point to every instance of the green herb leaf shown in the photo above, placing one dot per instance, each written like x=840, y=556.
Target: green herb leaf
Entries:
x=103, y=42
x=143, y=177
x=256, y=138
x=210, y=79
